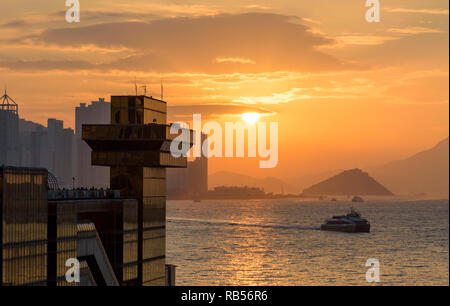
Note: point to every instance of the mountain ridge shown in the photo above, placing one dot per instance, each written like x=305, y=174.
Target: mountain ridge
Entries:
x=425, y=172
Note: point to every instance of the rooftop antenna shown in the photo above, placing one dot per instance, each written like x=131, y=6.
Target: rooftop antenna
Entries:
x=135, y=86
x=145, y=89
x=162, y=90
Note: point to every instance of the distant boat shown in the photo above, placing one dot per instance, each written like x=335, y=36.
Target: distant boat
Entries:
x=333, y=199
x=197, y=200
x=350, y=223
x=357, y=199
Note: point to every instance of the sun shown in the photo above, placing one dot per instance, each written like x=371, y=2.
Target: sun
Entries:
x=250, y=118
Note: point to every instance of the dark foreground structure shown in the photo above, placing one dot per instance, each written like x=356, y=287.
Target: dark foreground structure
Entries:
x=136, y=147
x=117, y=236
x=24, y=239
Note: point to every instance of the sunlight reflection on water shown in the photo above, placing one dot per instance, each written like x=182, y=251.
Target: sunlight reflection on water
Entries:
x=278, y=242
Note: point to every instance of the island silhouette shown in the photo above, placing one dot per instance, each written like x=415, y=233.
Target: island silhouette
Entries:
x=348, y=182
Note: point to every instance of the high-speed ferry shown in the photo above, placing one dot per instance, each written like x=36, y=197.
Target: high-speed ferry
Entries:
x=351, y=223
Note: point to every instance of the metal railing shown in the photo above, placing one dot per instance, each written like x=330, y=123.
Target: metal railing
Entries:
x=80, y=194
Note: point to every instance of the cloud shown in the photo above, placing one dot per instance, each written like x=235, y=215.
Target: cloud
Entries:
x=258, y=7
x=234, y=60
x=274, y=42
x=310, y=20
x=167, y=9
x=118, y=13
x=296, y=94
x=405, y=50
x=414, y=30
x=47, y=65
x=15, y=24
x=362, y=40
x=276, y=98
x=185, y=112
x=418, y=11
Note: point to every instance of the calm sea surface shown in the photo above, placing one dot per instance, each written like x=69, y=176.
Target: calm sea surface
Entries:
x=278, y=242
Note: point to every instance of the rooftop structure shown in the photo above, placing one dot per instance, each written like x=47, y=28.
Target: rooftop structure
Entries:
x=8, y=104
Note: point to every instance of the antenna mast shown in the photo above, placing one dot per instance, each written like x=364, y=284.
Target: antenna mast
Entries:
x=145, y=89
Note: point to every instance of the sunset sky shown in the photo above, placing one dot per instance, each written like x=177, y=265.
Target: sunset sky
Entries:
x=346, y=93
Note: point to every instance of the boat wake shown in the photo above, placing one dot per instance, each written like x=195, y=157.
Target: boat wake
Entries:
x=241, y=224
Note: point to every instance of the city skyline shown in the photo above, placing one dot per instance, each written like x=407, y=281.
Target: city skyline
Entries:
x=54, y=147
x=29, y=144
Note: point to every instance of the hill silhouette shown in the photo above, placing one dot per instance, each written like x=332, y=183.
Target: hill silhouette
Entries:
x=348, y=182
x=425, y=172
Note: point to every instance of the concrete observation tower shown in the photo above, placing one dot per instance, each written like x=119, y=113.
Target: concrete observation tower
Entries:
x=136, y=147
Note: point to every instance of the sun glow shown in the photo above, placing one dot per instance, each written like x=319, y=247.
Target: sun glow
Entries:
x=250, y=118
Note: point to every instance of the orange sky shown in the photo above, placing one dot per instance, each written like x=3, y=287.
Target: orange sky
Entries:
x=346, y=93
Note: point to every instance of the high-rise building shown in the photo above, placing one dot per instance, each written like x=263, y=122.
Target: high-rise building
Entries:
x=98, y=112
x=191, y=182
x=42, y=229
x=136, y=147
x=33, y=144
x=23, y=232
x=60, y=149
x=9, y=132
x=48, y=147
